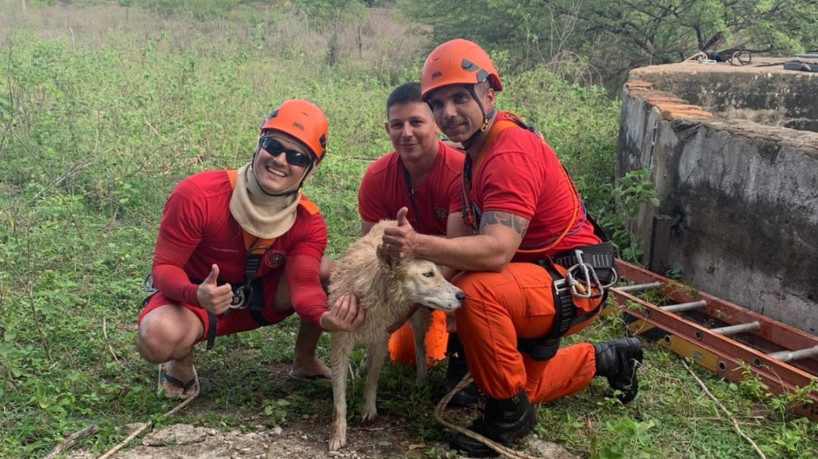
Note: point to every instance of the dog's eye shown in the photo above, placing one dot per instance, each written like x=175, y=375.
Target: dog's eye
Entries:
x=429, y=274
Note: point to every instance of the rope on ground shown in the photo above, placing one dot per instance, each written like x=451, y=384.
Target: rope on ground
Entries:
x=149, y=424
x=718, y=403
x=441, y=406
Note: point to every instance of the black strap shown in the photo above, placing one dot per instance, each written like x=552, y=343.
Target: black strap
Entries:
x=148, y=298
x=564, y=309
x=597, y=229
x=251, y=294
x=470, y=213
x=256, y=305
x=211, y=330
x=601, y=257
x=409, y=189
x=565, y=317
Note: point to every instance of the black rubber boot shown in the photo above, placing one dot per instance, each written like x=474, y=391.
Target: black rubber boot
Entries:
x=454, y=373
x=617, y=360
x=502, y=421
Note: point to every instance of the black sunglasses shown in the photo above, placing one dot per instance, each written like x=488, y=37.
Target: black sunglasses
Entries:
x=294, y=157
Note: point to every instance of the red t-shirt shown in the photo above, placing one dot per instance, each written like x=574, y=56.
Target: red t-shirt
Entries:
x=520, y=174
x=384, y=191
x=197, y=230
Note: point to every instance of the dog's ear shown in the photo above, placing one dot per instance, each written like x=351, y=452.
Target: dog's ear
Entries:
x=384, y=258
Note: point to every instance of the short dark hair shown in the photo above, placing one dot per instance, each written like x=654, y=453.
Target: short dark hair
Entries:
x=404, y=94
x=483, y=87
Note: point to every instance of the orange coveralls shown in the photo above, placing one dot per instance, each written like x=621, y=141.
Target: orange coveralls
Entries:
x=517, y=302
x=518, y=173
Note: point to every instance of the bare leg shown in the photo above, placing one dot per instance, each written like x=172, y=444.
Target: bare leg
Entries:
x=166, y=335
x=305, y=363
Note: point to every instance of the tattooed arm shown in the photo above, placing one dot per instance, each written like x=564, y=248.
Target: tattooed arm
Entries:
x=503, y=233
x=500, y=236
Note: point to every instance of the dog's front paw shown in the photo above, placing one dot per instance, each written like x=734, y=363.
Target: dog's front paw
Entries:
x=369, y=414
x=336, y=443
x=337, y=440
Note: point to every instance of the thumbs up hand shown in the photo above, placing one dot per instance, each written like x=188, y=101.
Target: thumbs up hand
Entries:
x=399, y=240
x=212, y=297
x=402, y=220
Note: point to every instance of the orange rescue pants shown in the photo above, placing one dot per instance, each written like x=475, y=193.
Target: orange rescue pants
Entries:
x=518, y=302
x=402, y=343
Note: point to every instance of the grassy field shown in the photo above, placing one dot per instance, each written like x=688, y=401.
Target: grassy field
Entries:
x=104, y=108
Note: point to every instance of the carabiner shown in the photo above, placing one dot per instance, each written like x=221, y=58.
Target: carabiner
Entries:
x=240, y=297
x=583, y=288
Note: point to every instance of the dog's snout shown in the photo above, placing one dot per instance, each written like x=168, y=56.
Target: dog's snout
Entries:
x=460, y=296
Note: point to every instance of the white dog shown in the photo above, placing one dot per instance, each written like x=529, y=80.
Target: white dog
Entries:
x=387, y=288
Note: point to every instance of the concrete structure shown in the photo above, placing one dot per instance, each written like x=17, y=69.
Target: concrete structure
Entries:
x=733, y=153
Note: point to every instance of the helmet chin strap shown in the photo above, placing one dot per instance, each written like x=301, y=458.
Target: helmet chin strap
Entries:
x=486, y=118
x=284, y=193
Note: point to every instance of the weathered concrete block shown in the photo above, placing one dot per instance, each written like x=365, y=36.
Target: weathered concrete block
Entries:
x=741, y=182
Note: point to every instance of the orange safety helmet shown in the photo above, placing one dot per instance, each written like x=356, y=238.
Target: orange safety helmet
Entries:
x=457, y=61
x=303, y=121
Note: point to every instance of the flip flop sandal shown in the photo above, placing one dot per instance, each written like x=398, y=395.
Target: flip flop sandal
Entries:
x=165, y=377
x=323, y=379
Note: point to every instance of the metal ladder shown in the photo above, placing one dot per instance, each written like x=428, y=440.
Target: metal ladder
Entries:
x=719, y=335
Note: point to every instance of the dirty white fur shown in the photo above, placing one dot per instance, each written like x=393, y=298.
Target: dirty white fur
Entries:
x=386, y=287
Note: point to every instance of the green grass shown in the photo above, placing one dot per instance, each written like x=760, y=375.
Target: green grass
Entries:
x=99, y=121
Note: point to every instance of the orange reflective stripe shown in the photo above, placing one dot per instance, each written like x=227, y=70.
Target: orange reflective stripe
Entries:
x=255, y=245
x=231, y=175
x=309, y=206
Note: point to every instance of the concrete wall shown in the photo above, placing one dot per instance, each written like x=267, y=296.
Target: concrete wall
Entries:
x=766, y=93
x=744, y=195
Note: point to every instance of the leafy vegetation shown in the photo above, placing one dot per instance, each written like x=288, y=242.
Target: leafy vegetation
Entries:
x=614, y=37
x=104, y=108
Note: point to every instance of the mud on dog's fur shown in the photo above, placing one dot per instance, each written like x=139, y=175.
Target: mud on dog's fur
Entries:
x=386, y=287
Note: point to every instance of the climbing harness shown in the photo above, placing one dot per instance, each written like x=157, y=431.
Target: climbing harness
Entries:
x=249, y=294
x=585, y=272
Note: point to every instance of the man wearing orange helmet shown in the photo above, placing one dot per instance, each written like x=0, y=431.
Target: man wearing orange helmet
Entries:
x=238, y=250
x=534, y=270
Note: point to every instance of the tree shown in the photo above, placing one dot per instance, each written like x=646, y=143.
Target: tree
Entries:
x=618, y=35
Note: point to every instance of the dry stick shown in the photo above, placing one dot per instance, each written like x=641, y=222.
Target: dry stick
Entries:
x=733, y=419
x=148, y=425
x=105, y=336
x=73, y=438
x=486, y=441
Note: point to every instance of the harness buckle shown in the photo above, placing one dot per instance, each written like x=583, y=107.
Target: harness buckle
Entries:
x=240, y=296
x=147, y=284
x=561, y=285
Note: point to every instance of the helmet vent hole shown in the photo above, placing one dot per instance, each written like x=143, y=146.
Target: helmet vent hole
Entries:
x=468, y=65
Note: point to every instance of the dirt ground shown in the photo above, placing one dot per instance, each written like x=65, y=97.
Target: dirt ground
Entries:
x=303, y=439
